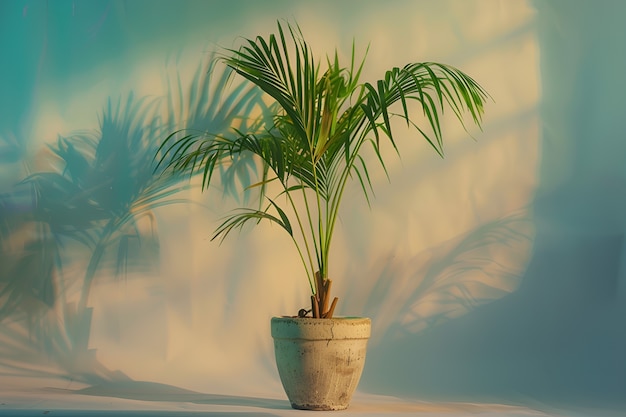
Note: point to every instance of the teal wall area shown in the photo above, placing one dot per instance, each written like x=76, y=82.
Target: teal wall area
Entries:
x=495, y=274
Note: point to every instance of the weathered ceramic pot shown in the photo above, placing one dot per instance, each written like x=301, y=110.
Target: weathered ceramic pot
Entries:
x=320, y=361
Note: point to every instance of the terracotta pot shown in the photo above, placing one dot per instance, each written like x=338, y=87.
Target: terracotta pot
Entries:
x=320, y=361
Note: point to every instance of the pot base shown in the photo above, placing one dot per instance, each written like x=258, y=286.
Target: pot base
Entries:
x=311, y=407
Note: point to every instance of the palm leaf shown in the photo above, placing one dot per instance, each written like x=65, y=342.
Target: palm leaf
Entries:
x=244, y=215
x=320, y=120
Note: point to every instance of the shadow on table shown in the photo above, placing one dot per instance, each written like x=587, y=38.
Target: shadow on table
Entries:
x=135, y=413
x=153, y=391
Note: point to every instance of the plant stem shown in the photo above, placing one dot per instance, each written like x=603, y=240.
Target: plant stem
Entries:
x=302, y=232
x=322, y=261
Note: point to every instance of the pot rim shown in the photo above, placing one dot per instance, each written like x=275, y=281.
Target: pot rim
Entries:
x=308, y=328
x=321, y=319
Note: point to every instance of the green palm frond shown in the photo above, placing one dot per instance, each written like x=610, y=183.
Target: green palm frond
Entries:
x=244, y=215
x=320, y=121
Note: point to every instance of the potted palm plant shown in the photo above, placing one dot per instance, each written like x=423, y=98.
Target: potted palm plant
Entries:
x=321, y=120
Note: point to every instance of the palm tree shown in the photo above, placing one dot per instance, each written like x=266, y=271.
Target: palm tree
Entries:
x=322, y=122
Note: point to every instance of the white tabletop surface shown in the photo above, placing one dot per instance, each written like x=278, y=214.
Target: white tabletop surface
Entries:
x=148, y=401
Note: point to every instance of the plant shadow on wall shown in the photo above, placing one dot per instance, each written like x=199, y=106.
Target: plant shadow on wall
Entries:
x=410, y=295
x=91, y=217
x=417, y=297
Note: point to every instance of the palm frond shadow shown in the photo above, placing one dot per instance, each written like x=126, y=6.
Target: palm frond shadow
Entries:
x=451, y=280
x=101, y=189
x=27, y=255
x=93, y=211
x=214, y=105
x=13, y=148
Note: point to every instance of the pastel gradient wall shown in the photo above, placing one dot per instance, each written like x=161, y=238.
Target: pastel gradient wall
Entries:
x=493, y=274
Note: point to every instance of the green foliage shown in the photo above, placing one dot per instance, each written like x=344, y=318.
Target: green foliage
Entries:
x=321, y=122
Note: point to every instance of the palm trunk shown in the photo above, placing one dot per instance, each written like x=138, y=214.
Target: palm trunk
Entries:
x=321, y=298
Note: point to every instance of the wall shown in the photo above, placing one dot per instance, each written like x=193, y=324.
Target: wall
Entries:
x=490, y=274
